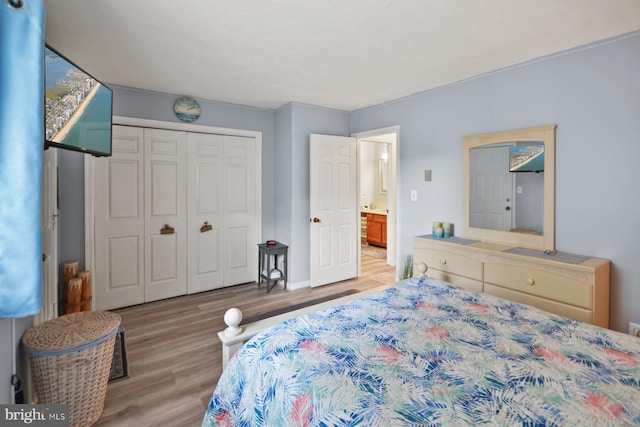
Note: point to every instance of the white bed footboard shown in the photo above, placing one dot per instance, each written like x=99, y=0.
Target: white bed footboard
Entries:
x=234, y=336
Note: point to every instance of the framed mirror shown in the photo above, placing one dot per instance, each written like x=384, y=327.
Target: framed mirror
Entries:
x=382, y=172
x=509, y=187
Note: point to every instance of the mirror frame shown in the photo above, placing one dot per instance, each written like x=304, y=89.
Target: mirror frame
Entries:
x=547, y=134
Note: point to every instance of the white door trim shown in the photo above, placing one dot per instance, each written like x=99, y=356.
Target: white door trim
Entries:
x=89, y=229
x=393, y=226
x=48, y=223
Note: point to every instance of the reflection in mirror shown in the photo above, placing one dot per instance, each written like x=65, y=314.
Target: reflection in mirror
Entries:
x=502, y=196
x=382, y=172
x=509, y=187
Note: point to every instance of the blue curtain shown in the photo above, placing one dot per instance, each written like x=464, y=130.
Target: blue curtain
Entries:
x=21, y=146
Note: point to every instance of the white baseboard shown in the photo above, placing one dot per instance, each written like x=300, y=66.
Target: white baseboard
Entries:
x=299, y=285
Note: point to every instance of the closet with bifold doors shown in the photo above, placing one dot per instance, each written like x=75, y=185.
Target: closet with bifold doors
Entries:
x=175, y=213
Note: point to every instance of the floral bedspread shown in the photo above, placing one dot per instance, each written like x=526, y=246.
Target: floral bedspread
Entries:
x=425, y=353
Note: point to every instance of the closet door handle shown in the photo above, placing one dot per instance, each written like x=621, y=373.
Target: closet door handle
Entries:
x=167, y=229
x=206, y=227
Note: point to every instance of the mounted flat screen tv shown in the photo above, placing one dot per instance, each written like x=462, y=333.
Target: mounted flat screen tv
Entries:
x=78, y=108
x=526, y=158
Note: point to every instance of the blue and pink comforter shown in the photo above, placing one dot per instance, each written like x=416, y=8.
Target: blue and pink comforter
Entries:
x=425, y=353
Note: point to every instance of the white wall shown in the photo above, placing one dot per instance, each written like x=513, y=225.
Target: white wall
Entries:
x=304, y=120
x=593, y=95
x=283, y=175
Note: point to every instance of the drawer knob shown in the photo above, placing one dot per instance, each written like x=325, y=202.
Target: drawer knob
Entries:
x=443, y=262
x=530, y=281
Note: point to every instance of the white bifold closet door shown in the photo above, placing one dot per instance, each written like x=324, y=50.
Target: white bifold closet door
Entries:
x=165, y=223
x=222, y=206
x=222, y=209
x=240, y=237
x=119, y=231
x=205, y=177
x=175, y=214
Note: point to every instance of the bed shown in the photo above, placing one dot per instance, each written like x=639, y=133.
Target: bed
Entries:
x=425, y=353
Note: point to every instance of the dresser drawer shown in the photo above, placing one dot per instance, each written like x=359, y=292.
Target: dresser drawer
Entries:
x=448, y=262
x=554, y=307
x=539, y=283
x=456, y=281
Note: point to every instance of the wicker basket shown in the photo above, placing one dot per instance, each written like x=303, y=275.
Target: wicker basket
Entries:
x=70, y=359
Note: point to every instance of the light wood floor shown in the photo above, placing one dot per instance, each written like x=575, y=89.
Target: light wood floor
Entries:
x=174, y=353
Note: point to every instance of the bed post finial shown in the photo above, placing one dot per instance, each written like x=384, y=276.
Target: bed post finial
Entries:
x=420, y=269
x=232, y=319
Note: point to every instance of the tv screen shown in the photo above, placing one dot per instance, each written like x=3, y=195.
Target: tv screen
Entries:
x=78, y=108
x=526, y=158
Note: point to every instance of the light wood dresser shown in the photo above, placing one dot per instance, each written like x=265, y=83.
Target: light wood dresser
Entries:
x=574, y=287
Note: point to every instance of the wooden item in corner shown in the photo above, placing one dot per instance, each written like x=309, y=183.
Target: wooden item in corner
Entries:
x=70, y=272
x=85, y=276
x=74, y=296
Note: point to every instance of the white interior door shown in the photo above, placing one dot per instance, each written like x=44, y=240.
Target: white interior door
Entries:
x=333, y=208
x=119, y=221
x=166, y=214
x=492, y=193
x=205, y=223
x=240, y=236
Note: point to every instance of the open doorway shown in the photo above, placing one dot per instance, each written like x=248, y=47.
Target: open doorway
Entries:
x=377, y=198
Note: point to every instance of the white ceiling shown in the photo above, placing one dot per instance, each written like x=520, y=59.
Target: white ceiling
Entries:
x=344, y=54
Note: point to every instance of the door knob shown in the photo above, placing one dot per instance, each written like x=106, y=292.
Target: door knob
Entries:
x=508, y=208
x=315, y=219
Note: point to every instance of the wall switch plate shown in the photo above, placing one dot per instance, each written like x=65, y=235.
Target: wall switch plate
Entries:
x=634, y=329
x=414, y=195
x=427, y=175
x=519, y=189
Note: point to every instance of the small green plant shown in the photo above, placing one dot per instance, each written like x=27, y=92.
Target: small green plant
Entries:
x=407, y=267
